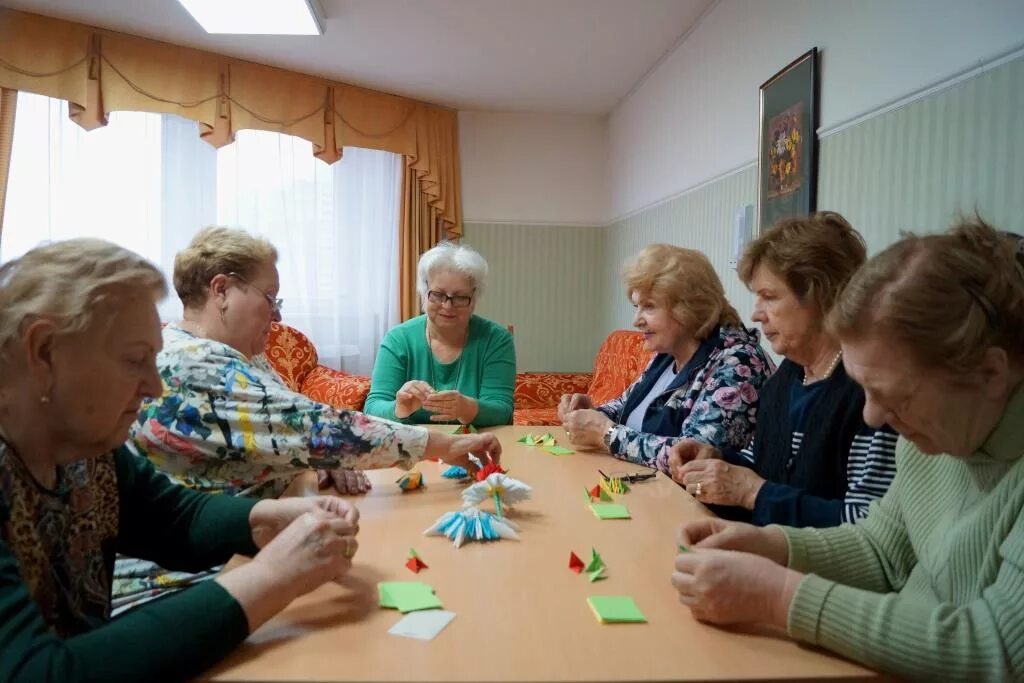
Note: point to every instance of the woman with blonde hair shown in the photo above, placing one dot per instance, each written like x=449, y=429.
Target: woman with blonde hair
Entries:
x=79, y=332
x=931, y=584
x=226, y=422
x=449, y=364
x=813, y=461
x=703, y=383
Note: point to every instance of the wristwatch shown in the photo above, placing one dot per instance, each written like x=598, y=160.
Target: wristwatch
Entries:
x=608, y=434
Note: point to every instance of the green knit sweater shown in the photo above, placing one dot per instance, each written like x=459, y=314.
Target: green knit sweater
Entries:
x=485, y=370
x=931, y=583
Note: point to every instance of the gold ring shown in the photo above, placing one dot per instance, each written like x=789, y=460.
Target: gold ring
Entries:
x=698, y=491
x=349, y=550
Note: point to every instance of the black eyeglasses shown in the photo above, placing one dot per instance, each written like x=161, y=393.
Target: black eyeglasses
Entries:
x=440, y=298
x=275, y=303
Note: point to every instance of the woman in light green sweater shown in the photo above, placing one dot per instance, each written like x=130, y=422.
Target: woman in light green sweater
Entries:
x=447, y=365
x=931, y=583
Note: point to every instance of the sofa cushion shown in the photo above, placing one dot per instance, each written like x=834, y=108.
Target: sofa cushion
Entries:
x=619, y=362
x=291, y=353
x=544, y=389
x=336, y=388
x=535, y=416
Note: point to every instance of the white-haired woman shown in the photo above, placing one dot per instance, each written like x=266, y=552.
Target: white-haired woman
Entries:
x=447, y=365
x=79, y=333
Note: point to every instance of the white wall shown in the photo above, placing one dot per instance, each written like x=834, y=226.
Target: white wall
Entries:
x=533, y=168
x=695, y=116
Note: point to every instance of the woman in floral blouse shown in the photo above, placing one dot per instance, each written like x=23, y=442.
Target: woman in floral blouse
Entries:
x=227, y=423
x=702, y=384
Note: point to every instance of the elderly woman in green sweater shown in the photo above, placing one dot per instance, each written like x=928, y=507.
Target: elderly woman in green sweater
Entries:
x=447, y=365
x=931, y=583
x=79, y=333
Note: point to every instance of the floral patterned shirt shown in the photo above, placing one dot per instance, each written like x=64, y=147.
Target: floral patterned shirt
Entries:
x=227, y=423
x=715, y=402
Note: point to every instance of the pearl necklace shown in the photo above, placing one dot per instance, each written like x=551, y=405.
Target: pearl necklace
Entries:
x=828, y=373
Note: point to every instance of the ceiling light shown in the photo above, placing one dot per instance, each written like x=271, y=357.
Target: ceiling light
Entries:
x=258, y=17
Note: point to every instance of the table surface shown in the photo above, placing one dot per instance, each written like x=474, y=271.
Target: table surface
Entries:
x=522, y=615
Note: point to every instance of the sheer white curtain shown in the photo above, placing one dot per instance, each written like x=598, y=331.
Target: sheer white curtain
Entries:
x=148, y=182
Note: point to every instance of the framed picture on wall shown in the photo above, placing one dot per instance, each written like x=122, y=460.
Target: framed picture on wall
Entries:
x=787, y=152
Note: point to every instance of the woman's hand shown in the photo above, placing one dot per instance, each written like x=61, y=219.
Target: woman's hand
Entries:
x=586, y=428
x=451, y=405
x=688, y=450
x=314, y=548
x=571, y=402
x=269, y=517
x=345, y=481
x=719, y=483
x=730, y=587
x=714, y=533
x=456, y=449
x=410, y=397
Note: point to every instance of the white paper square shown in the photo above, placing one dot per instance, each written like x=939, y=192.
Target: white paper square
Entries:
x=423, y=625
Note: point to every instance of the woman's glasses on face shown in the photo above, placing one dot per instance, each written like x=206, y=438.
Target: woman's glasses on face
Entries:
x=275, y=303
x=440, y=298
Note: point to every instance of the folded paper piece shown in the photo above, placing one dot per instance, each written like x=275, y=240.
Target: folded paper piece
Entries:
x=489, y=469
x=615, y=485
x=596, y=575
x=557, y=450
x=596, y=561
x=410, y=481
x=472, y=524
x=615, y=609
x=423, y=625
x=464, y=429
x=455, y=472
x=546, y=442
x=598, y=492
x=414, y=563
x=683, y=548
x=501, y=488
x=575, y=563
x=407, y=596
x=610, y=511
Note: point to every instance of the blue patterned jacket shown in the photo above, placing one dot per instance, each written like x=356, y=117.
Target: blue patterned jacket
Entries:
x=713, y=399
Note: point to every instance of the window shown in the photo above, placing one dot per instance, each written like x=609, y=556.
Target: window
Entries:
x=148, y=182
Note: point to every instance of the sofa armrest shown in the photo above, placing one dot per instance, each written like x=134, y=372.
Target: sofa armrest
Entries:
x=544, y=389
x=336, y=388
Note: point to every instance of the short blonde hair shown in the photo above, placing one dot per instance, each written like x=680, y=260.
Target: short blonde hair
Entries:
x=816, y=256
x=685, y=282
x=455, y=258
x=215, y=251
x=69, y=283
x=947, y=298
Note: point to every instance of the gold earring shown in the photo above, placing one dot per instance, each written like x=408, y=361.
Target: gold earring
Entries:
x=44, y=399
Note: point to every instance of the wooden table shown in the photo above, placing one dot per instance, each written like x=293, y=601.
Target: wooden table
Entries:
x=522, y=615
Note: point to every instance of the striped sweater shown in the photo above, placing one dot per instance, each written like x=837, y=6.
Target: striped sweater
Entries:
x=931, y=583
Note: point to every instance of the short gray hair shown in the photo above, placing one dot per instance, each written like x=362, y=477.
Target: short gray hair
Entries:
x=455, y=258
x=67, y=282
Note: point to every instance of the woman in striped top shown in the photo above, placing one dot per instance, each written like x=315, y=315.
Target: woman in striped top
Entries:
x=813, y=461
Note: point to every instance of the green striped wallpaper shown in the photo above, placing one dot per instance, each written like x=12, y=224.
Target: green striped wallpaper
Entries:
x=911, y=168
x=545, y=281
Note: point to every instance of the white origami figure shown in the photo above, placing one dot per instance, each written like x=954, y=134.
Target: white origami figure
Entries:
x=501, y=488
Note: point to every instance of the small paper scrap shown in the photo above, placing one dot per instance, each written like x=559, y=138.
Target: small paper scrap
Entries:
x=610, y=511
x=455, y=472
x=575, y=563
x=423, y=625
x=616, y=609
x=464, y=429
x=410, y=481
x=407, y=596
x=414, y=563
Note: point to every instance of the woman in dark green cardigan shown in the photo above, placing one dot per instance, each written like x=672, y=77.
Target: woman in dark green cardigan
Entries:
x=78, y=334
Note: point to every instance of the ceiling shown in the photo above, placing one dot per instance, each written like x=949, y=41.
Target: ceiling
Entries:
x=550, y=56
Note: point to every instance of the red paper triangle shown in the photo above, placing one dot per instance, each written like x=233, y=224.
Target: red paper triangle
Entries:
x=596, y=491
x=575, y=563
x=415, y=564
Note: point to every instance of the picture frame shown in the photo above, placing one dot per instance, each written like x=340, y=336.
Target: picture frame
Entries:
x=787, y=142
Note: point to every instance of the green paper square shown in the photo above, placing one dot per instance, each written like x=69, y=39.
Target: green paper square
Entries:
x=557, y=450
x=407, y=596
x=615, y=609
x=610, y=511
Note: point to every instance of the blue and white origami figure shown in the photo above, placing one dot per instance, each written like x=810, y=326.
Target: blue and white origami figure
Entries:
x=455, y=472
x=474, y=524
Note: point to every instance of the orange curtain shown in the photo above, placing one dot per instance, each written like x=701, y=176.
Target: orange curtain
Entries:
x=100, y=71
x=8, y=105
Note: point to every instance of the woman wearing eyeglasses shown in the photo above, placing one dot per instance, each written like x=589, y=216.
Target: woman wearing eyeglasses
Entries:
x=227, y=423
x=447, y=365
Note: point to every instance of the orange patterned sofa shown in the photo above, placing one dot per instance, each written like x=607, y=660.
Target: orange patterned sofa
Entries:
x=620, y=360
x=294, y=357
